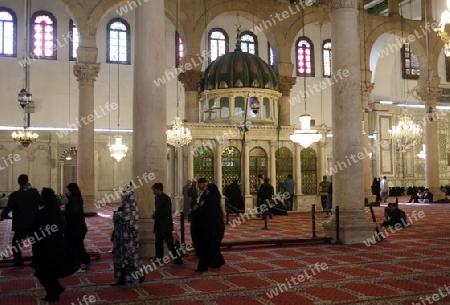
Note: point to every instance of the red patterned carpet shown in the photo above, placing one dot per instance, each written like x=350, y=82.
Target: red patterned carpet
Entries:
x=411, y=266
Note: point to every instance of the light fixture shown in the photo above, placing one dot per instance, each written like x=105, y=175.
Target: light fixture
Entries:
x=25, y=136
x=445, y=37
x=305, y=136
x=422, y=154
x=118, y=150
x=406, y=133
x=177, y=134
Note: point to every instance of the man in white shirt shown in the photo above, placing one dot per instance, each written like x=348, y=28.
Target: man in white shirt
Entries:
x=384, y=189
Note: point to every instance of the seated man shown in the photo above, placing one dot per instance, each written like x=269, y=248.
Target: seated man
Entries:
x=427, y=196
x=393, y=215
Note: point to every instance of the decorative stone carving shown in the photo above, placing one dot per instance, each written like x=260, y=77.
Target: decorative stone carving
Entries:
x=191, y=79
x=285, y=84
x=86, y=73
x=336, y=4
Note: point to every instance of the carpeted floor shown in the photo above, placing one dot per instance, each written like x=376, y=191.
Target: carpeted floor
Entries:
x=411, y=266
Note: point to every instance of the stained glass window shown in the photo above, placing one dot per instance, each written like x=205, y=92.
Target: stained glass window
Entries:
x=326, y=57
x=8, y=29
x=305, y=57
x=218, y=43
x=43, y=35
x=118, y=42
x=249, y=43
x=74, y=40
x=410, y=64
x=309, y=171
x=179, y=49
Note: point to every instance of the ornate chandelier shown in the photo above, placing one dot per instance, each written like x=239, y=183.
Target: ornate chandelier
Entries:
x=24, y=136
x=305, y=136
x=406, y=133
x=118, y=150
x=178, y=135
x=445, y=37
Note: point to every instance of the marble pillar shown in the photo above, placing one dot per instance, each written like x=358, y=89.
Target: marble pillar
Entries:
x=247, y=196
x=367, y=161
x=86, y=71
x=149, y=116
x=429, y=91
x=354, y=226
x=273, y=164
x=285, y=84
x=191, y=80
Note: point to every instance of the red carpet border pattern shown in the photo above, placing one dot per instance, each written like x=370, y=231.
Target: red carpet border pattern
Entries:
x=410, y=267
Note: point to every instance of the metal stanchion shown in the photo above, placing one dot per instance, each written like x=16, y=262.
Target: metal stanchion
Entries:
x=336, y=215
x=264, y=215
x=313, y=215
x=227, y=210
x=182, y=227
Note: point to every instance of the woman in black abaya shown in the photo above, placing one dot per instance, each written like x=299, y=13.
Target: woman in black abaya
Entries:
x=211, y=232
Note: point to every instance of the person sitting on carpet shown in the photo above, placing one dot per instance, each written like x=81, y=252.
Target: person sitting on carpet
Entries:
x=427, y=196
x=393, y=216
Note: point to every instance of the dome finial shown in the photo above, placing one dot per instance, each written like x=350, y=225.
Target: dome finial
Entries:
x=238, y=36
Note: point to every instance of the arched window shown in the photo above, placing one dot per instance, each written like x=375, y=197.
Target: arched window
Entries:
x=179, y=49
x=326, y=58
x=258, y=162
x=249, y=43
x=305, y=57
x=270, y=55
x=204, y=163
x=74, y=40
x=118, y=50
x=218, y=43
x=284, y=166
x=43, y=35
x=410, y=64
x=8, y=32
x=309, y=169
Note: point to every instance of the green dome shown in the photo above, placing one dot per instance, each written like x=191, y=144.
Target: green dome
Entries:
x=240, y=70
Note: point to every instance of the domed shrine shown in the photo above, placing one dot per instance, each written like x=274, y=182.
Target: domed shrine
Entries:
x=239, y=86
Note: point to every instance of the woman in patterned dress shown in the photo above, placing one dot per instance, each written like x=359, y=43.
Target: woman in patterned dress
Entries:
x=125, y=239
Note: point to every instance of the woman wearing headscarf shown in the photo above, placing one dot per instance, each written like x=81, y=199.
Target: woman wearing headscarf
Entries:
x=125, y=239
x=212, y=230
x=48, y=248
x=76, y=228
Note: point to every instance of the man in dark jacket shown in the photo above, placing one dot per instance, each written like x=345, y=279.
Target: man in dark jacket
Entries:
x=24, y=205
x=265, y=195
x=163, y=224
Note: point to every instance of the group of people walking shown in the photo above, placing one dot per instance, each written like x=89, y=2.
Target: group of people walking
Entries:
x=56, y=236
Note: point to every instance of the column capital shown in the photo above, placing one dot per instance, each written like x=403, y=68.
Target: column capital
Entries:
x=337, y=4
x=366, y=87
x=191, y=79
x=86, y=73
x=285, y=84
x=427, y=90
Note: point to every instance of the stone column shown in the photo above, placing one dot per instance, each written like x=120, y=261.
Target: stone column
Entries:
x=190, y=161
x=285, y=84
x=149, y=116
x=273, y=167
x=393, y=7
x=191, y=80
x=218, y=164
x=297, y=177
x=429, y=92
x=367, y=161
x=54, y=166
x=246, y=178
x=354, y=226
x=86, y=70
x=181, y=181
x=427, y=12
